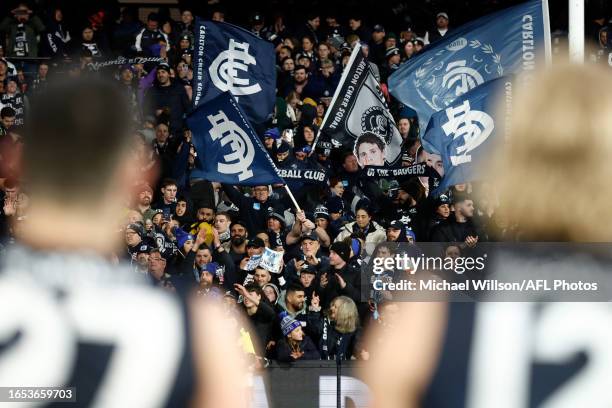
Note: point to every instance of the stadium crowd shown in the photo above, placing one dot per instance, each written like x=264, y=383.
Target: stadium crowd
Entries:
x=188, y=234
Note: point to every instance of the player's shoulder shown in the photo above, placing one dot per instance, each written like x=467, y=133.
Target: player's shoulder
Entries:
x=99, y=326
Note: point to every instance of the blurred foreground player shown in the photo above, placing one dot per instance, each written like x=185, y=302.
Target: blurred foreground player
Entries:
x=527, y=354
x=72, y=318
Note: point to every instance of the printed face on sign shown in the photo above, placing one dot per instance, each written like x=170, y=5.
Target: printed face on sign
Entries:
x=370, y=150
x=374, y=118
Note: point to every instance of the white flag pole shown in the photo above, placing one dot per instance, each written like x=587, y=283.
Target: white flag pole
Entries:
x=576, y=31
x=547, y=34
x=295, y=203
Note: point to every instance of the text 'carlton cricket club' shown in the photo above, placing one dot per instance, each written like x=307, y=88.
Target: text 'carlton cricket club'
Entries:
x=224, y=69
x=240, y=159
x=473, y=126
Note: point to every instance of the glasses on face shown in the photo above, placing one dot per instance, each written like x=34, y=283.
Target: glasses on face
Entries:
x=261, y=190
x=129, y=233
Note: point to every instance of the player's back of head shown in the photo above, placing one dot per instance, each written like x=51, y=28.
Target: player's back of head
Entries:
x=75, y=140
x=552, y=175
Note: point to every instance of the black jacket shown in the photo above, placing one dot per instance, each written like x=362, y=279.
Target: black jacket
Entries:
x=453, y=231
x=173, y=97
x=352, y=277
x=252, y=212
x=283, y=350
x=263, y=321
x=332, y=343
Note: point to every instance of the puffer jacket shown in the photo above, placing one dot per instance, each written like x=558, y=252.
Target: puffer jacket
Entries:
x=375, y=233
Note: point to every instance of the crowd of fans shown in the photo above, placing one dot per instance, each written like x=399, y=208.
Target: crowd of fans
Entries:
x=186, y=234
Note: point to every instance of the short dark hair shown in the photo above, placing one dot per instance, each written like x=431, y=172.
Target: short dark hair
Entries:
x=312, y=15
x=460, y=196
x=253, y=287
x=298, y=67
x=77, y=132
x=369, y=137
x=347, y=154
x=7, y=112
x=225, y=214
x=168, y=182
x=203, y=247
x=295, y=287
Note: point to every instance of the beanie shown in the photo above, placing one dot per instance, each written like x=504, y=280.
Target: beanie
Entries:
x=273, y=133
x=288, y=323
x=410, y=233
x=181, y=237
x=283, y=148
x=278, y=217
x=342, y=249
x=321, y=212
x=137, y=228
x=335, y=204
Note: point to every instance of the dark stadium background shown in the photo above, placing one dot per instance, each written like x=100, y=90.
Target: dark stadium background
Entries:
x=391, y=12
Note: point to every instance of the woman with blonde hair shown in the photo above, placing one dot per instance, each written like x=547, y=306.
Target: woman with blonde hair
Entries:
x=338, y=330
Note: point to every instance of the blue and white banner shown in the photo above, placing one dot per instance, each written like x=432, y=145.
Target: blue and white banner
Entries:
x=466, y=132
x=228, y=58
x=228, y=148
x=506, y=42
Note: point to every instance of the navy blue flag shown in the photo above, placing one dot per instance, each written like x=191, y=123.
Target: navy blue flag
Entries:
x=228, y=58
x=466, y=132
x=506, y=42
x=229, y=151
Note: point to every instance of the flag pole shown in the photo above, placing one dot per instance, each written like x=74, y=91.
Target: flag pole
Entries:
x=297, y=206
x=343, y=78
x=576, y=31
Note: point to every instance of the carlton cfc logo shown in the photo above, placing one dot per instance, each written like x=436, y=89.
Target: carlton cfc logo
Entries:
x=455, y=70
x=242, y=150
x=224, y=70
x=472, y=127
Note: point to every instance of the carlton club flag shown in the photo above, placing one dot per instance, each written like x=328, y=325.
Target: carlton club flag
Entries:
x=467, y=131
x=358, y=106
x=230, y=59
x=228, y=148
x=506, y=42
